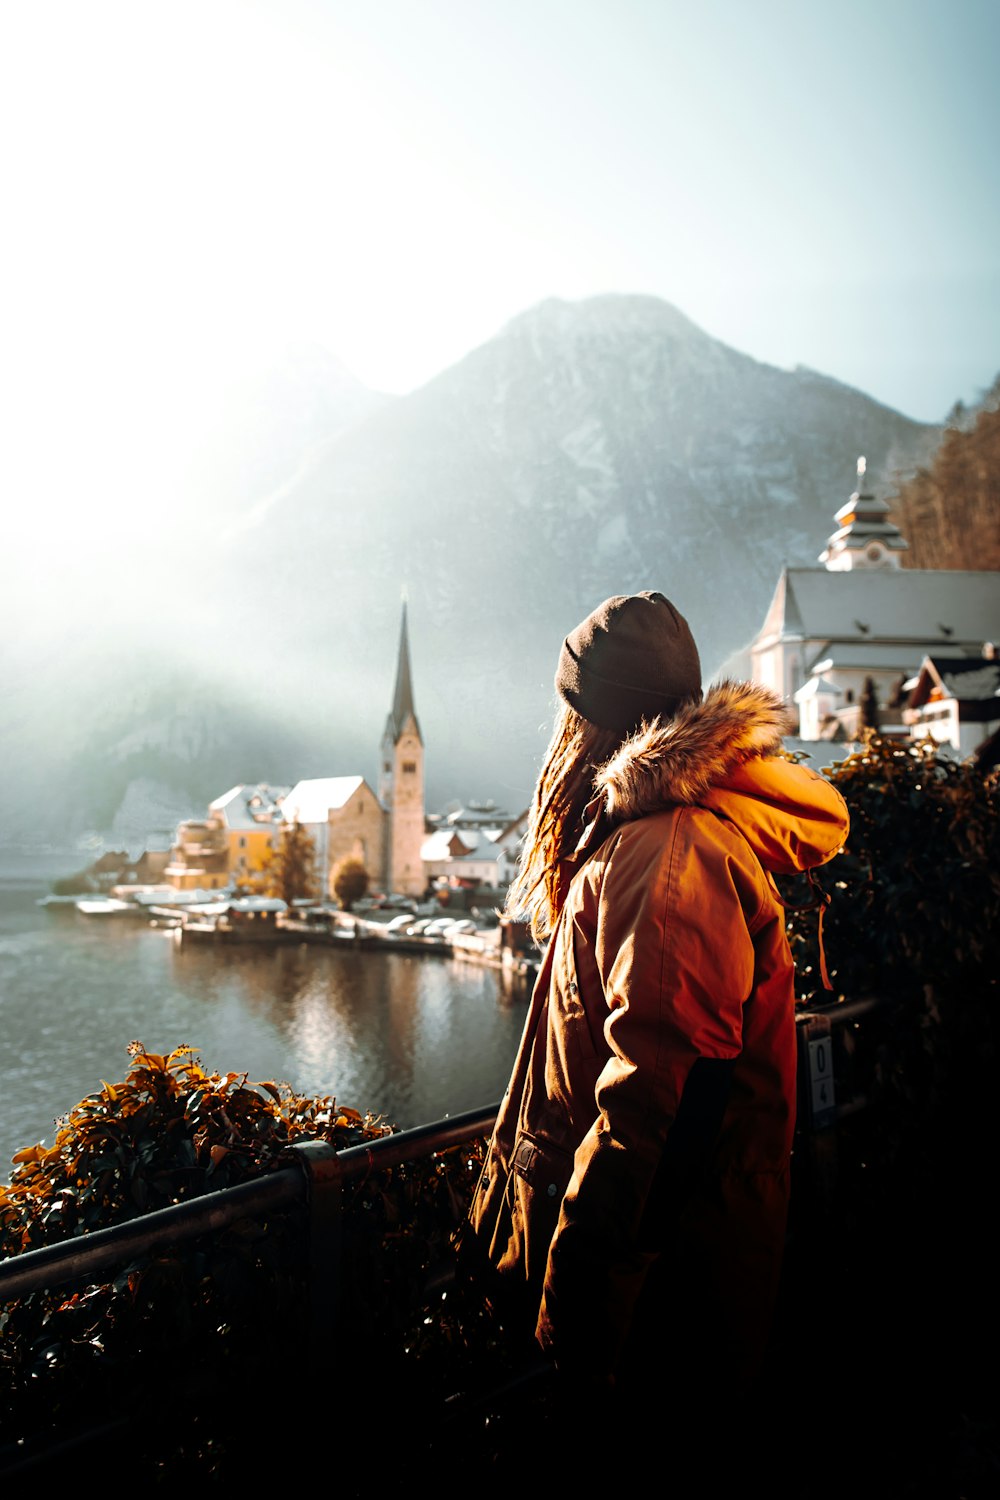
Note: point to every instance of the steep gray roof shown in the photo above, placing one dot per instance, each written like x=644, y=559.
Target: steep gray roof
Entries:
x=965, y=678
x=905, y=604
x=250, y=806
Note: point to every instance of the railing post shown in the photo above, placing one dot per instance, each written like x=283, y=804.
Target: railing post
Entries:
x=320, y=1164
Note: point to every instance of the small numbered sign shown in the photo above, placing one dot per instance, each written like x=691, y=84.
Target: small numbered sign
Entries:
x=821, y=1081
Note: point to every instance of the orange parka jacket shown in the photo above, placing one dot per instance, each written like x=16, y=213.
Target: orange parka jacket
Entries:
x=635, y=1191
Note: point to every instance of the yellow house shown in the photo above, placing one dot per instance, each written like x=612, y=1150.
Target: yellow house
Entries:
x=252, y=818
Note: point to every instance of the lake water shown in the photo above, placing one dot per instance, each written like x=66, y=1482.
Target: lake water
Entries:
x=410, y=1037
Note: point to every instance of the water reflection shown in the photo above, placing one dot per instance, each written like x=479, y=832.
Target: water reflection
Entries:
x=411, y=1037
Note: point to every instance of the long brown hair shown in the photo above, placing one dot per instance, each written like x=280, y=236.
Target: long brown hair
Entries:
x=576, y=752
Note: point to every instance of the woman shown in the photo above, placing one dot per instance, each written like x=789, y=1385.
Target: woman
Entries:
x=635, y=1193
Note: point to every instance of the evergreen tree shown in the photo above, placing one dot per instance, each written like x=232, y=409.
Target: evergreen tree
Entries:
x=869, y=706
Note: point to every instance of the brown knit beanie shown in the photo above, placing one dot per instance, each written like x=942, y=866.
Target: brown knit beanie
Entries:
x=634, y=658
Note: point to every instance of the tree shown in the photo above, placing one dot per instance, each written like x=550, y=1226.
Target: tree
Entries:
x=947, y=511
x=290, y=871
x=869, y=718
x=350, y=881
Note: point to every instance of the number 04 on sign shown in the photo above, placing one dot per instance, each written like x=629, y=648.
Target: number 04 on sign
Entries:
x=822, y=1096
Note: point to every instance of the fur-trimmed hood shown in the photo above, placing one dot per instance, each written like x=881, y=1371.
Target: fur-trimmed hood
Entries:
x=723, y=754
x=676, y=760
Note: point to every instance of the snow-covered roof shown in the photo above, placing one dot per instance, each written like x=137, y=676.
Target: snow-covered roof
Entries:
x=485, y=816
x=442, y=845
x=929, y=606
x=313, y=800
x=967, y=679
x=250, y=805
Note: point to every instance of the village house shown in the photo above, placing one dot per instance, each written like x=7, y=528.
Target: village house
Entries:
x=956, y=699
x=344, y=819
x=252, y=818
x=472, y=847
x=199, y=858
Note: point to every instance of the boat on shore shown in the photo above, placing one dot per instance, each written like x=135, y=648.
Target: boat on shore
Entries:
x=107, y=906
x=246, y=919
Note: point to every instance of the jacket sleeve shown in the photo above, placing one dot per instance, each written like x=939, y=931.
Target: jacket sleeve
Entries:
x=679, y=900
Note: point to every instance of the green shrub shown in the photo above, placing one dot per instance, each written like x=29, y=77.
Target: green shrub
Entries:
x=195, y=1333
x=914, y=922
x=915, y=897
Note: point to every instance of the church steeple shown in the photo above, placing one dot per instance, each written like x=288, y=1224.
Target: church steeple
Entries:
x=866, y=538
x=401, y=781
x=402, y=699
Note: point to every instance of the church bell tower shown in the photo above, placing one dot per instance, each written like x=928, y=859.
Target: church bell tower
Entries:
x=401, y=782
x=866, y=538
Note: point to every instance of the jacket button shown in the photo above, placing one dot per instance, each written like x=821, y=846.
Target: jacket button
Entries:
x=552, y=1189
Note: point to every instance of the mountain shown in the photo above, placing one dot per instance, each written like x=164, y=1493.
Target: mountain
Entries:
x=588, y=449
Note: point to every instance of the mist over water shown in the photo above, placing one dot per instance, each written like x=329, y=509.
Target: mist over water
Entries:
x=410, y=1037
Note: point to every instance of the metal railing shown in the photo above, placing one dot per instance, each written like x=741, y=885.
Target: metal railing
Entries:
x=317, y=1174
x=316, y=1177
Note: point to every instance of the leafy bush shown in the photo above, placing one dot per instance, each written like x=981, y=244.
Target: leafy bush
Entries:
x=204, y=1327
x=914, y=922
x=915, y=897
x=349, y=882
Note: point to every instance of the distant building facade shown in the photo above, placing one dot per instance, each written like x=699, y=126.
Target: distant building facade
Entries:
x=252, y=818
x=474, y=846
x=199, y=859
x=956, y=699
x=344, y=819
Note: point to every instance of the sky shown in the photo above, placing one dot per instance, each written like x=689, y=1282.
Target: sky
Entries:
x=190, y=186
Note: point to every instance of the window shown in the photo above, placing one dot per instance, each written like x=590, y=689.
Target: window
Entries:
x=409, y=767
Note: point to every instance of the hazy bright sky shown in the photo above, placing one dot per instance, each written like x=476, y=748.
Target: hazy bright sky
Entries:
x=189, y=184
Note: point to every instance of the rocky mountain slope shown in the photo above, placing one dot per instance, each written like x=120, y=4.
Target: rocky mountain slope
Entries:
x=590, y=448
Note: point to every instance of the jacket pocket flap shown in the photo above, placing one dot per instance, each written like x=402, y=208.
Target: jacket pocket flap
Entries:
x=545, y=1166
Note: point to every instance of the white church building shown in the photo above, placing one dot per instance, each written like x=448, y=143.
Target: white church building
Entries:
x=919, y=636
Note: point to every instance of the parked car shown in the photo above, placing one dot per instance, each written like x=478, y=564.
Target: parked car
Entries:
x=438, y=927
x=399, y=924
x=462, y=924
x=419, y=927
